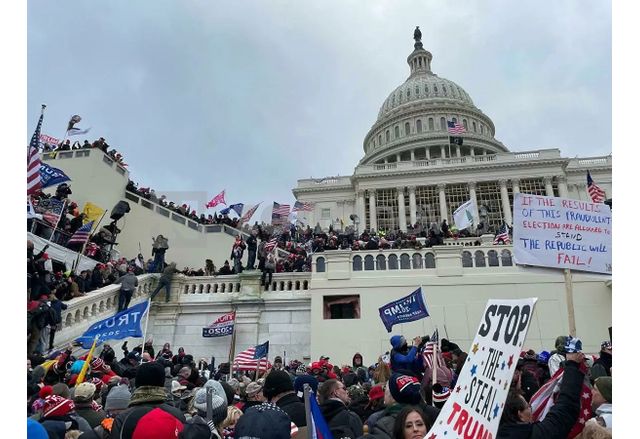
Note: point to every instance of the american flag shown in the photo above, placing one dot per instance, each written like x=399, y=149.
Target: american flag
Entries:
x=502, y=235
x=82, y=234
x=53, y=211
x=272, y=243
x=427, y=353
x=247, y=216
x=303, y=206
x=455, y=128
x=280, y=213
x=245, y=361
x=34, y=183
x=597, y=195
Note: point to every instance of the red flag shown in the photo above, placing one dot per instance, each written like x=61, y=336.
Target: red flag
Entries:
x=218, y=199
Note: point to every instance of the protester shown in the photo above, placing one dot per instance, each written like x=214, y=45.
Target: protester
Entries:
x=411, y=423
x=165, y=282
x=601, y=400
x=602, y=366
x=128, y=283
x=404, y=359
x=278, y=389
x=334, y=398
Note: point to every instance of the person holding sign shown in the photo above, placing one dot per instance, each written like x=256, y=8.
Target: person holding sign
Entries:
x=516, y=421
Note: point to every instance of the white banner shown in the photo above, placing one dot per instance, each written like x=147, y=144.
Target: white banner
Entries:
x=561, y=233
x=476, y=403
x=464, y=216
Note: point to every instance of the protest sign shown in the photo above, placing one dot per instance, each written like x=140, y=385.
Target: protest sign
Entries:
x=404, y=310
x=222, y=326
x=562, y=233
x=477, y=402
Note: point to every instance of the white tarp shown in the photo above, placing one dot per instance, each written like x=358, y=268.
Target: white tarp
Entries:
x=562, y=233
x=61, y=254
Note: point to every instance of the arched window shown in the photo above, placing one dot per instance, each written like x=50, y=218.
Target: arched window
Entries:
x=481, y=129
x=381, y=262
x=407, y=129
x=506, y=258
x=379, y=139
x=480, y=261
x=405, y=262
x=396, y=132
x=419, y=126
x=417, y=90
x=467, y=260
x=431, y=124
x=368, y=262
x=429, y=261
x=393, y=262
x=426, y=89
x=443, y=124
x=435, y=90
x=416, y=261
x=357, y=263
x=408, y=93
x=387, y=135
x=464, y=123
x=493, y=258
x=473, y=124
x=320, y=265
x=454, y=120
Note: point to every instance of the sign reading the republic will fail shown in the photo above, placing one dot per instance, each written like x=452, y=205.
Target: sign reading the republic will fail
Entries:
x=476, y=403
x=562, y=233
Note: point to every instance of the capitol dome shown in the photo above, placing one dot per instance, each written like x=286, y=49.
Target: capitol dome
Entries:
x=412, y=121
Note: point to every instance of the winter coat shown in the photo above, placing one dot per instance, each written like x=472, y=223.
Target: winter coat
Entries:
x=561, y=417
x=342, y=421
x=128, y=281
x=410, y=362
x=93, y=417
x=293, y=407
x=602, y=366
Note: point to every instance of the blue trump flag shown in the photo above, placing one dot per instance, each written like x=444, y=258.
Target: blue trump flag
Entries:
x=319, y=427
x=407, y=309
x=262, y=350
x=51, y=176
x=127, y=323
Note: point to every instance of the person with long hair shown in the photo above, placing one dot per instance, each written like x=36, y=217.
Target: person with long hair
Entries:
x=411, y=423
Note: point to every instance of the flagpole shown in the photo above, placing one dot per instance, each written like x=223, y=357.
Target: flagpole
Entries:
x=232, y=347
x=434, y=367
x=568, y=283
x=146, y=324
x=75, y=264
x=307, y=412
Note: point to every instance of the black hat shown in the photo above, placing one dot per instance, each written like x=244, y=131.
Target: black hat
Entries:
x=264, y=421
x=150, y=374
x=278, y=381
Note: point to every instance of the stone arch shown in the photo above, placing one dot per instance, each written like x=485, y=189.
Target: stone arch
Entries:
x=507, y=261
x=223, y=286
x=305, y=285
x=467, y=259
x=381, y=262
x=101, y=306
x=94, y=309
x=479, y=259
x=416, y=261
x=68, y=321
x=281, y=286
x=297, y=285
x=289, y=285
x=230, y=288
x=405, y=261
x=320, y=265
x=357, y=263
x=429, y=260
x=393, y=262
x=492, y=255
x=85, y=313
x=368, y=263
x=215, y=288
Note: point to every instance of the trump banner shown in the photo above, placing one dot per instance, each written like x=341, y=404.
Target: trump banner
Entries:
x=127, y=323
x=407, y=309
x=477, y=401
x=222, y=326
x=562, y=233
x=51, y=176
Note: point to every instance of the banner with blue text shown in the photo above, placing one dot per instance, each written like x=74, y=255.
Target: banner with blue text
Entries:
x=407, y=309
x=127, y=323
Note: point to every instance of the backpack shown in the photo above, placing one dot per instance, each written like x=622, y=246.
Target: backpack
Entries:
x=42, y=316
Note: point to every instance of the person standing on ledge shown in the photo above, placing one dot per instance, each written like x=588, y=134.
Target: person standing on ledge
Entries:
x=165, y=281
x=159, y=248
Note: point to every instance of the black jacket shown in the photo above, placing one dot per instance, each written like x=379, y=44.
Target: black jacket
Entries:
x=561, y=417
x=125, y=423
x=342, y=421
x=293, y=407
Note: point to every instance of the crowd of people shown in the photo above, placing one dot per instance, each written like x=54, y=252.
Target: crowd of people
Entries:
x=100, y=144
x=160, y=394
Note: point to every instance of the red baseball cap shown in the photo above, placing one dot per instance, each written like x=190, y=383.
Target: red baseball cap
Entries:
x=376, y=392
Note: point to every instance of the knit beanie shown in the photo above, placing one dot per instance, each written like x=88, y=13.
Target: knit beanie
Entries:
x=405, y=389
x=278, y=381
x=55, y=405
x=440, y=394
x=396, y=341
x=61, y=389
x=97, y=364
x=218, y=390
x=118, y=398
x=356, y=392
x=301, y=370
x=253, y=389
x=298, y=384
x=264, y=421
x=218, y=405
x=605, y=387
x=150, y=374
x=157, y=424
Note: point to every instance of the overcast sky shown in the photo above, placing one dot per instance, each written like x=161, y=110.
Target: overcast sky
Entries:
x=251, y=96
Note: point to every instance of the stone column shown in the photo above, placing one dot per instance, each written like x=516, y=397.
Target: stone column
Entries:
x=474, y=199
x=562, y=187
x=361, y=211
x=506, y=207
x=473, y=151
x=443, y=151
x=373, y=220
x=458, y=151
x=548, y=186
x=427, y=152
x=515, y=184
x=402, y=214
x=443, y=203
x=412, y=205
x=413, y=155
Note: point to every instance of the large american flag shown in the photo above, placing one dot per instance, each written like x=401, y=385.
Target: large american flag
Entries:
x=34, y=183
x=245, y=361
x=82, y=234
x=53, y=211
x=597, y=195
x=502, y=235
x=302, y=206
x=281, y=209
x=272, y=243
x=455, y=127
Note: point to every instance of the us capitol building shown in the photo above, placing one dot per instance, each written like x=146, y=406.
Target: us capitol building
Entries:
x=410, y=174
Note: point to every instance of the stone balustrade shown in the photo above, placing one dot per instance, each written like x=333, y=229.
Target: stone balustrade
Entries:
x=233, y=284
x=97, y=305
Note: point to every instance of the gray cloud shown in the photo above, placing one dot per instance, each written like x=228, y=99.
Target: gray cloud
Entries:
x=202, y=95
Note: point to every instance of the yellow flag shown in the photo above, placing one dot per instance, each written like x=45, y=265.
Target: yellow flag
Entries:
x=47, y=364
x=93, y=212
x=85, y=366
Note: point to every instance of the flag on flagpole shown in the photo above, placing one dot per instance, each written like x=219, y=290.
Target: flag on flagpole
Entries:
x=31, y=212
x=280, y=213
x=463, y=215
x=429, y=347
x=319, y=427
x=272, y=243
x=597, y=195
x=82, y=234
x=218, y=199
x=50, y=176
x=502, y=235
x=53, y=211
x=87, y=361
x=245, y=361
x=92, y=211
x=77, y=131
x=247, y=216
x=127, y=323
x=302, y=206
x=261, y=351
x=34, y=180
x=237, y=208
x=455, y=127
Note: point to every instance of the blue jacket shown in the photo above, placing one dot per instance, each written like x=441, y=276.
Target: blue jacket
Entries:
x=412, y=361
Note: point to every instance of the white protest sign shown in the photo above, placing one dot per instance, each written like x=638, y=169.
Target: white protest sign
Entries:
x=561, y=233
x=476, y=403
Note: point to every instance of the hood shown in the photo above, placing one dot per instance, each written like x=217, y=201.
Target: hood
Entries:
x=396, y=341
x=353, y=360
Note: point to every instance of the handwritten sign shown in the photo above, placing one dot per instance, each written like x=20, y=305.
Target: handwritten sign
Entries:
x=477, y=402
x=222, y=326
x=562, y=233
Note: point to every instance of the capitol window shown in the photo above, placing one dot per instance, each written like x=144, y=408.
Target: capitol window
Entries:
x=407, y=129
x=533, y=186
x=387, y=209
x=431, y=124
x=456, y=194
x=388, y=137
x=481, y=129
x=443, y=124
x=435, y=90
x=325, y=214
x=396, y=131
x=426, y=89
x=419, y=126
x=341, y=307
x=408, y=93
x=473, y=124
x=488, y=194
x=417, y=90
x=464, y=123
x=379, y=139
